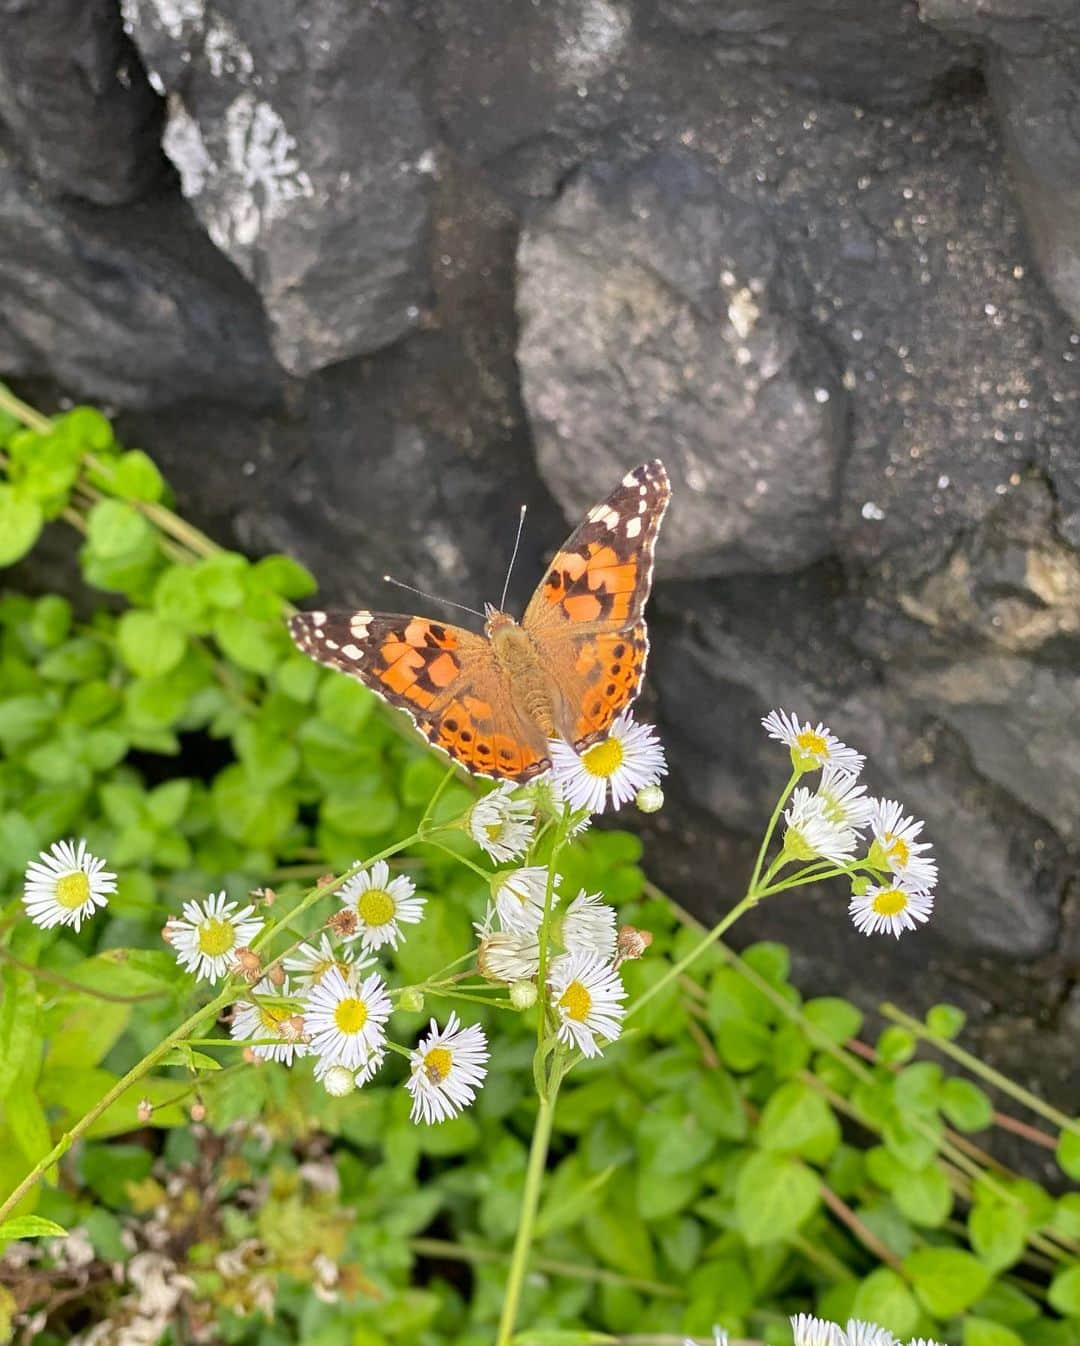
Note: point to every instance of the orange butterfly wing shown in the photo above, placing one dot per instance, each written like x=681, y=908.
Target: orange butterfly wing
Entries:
x=586, y=616
x=444, y=677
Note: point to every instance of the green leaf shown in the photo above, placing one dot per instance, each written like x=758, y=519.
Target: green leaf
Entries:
x=945, y=1021
x=983, y=1332
x=149, y=645
x=221, y=579
x=21, y=521
x=966, y=1105
x=1068, y=1154
x=558, y=1337
x=345, y=703
x=895, y=1045
x=132, y=475
x=833, y=1018
x=31, y=1227
x=255, y=646
x=1066, y=1218
x=18, y=1025
x=769, y=959
x=998, y=1232
x=917, y=1088
x=115, y=529
x=568, y=1195
x=797, y=1120
x=925, y=1197
x=167, y=803
x=884, y=1298
x=282, y=575
x=774, y=1196
x=743, y=1044
x=914, y=1141
x=26, y=1118
x=255, y=817
x=1064, y=1293
x=672, y=1141
x=946, y=1280
x=51, y=621
x=716, y=1101
x=268, y=758
x=620, y=1240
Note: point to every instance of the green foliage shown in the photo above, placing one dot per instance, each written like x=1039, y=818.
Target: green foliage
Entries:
x=729, y=1161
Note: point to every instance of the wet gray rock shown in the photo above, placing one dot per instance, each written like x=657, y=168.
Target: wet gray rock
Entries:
x=655, y=311
x=868, y=51
x=302, y=145
x=75, y=104
x=134, y=309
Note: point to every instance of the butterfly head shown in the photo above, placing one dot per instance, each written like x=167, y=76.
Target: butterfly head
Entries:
x=496, y=620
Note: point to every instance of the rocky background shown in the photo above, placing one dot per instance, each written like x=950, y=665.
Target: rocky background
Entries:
x=365, y=275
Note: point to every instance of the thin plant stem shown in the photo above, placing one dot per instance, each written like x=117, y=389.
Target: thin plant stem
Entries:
x=534, y=1175
x=545, y=927
x=121, y=1086
x=977, y=1067
x=677, y=969
x=763, y=848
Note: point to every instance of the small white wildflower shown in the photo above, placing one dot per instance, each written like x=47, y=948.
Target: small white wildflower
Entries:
x=890, y=909
x=812, y=748
x=519, y=898
x=812, y=833
x=345, y=1020
x=629, y=758
x=859, y=1333
x=502, y=824
x=312, y=962
x=586, y=993
x=810, y=1331
x=207, y=935
x=65, y=885
x=446, y=1070
x=507, y=955
x=589, y=924
x=846, y=802
x=895, y=846
x=253, y=1021
x=325, y=1067
x=338, y=1081
x=381, y=904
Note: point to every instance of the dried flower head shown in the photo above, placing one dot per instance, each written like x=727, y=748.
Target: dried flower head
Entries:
x=631, y=942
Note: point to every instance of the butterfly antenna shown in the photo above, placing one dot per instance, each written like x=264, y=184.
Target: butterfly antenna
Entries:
x=513, y=558
x=389, y=579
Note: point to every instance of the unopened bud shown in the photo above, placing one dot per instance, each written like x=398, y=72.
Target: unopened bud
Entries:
x=264, y=895
x=276, y=975
x=339, y=1081
x=859, y=887
x=344, y=922
x=145, y=1110
x=166, y=932
x=292, y=1028
x=412, y=999
x=198, y=1111
x=522, y=994
x=631, y=942
x=650, y=799
x=326, y=881
x=249, y=1057
x=248, y=964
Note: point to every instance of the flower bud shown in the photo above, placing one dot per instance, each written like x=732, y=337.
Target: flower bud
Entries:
x=276, y=975
x=650, y=799
x=411, y=999
x=292, y=1028
x=248, y=964
x=166, y=931
x=264, y=895
x=198, y=1111
x=631, y=942
x=339, y=1081
x=523, y=994
x=859, y=887
x=145, y=1110
x=344, y=922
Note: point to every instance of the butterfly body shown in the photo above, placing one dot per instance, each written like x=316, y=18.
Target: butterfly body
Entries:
x=573, y=662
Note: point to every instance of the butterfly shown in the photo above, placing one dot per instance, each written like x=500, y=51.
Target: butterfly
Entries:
x=575, y=661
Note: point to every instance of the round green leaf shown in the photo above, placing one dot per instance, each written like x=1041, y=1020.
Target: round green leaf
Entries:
x=774, y=1195
x=797, y=1120
x=114, y=528
x=21, y=521
x=833, y=1018
x=966, y=1105
x=946, y=1280
x=884, y=1298
x=998, y=1232
x=149, y=645
x=1064, y=1294
x=895, y=1045
x=1068, y=1154
x=925, y=1197
x=945, y=1021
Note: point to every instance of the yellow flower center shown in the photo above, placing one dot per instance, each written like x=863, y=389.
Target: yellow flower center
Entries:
x=796, y=844
x=216, y=937
x=350, y=1015
x=576, y=1001
x=271, y=1017
x=890, y=902
x=603, y=759
x=493, y=830
x=437, y=1064
x=898, y=848
x=72, y=890
x=376, y=907
x=812, y=743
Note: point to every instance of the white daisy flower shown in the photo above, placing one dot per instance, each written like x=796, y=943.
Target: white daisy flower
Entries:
x=519, y=898
x=345, y=1021
x=252, y=1020
x=631, y=756
x=812, y=748
x=446, y=1070
x=550, y=800
x=501, y=824
x=812, y=833
x=65, y=885
x=381, y=904
x=586, y=992
x=810, y=1331
x=895, y=846
x=891, y=909
x=208, y=934
x=858, y=1333
x=589, y=924
x=508, y=955
x=846, y=801
x=923, y=1341
x=312, y=962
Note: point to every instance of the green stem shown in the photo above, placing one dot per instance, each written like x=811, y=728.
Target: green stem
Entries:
x=771, y=829
x=978, y=1067
x=811, y=874
x=534, y=1175
x=545, y=927
x=133, y=1076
